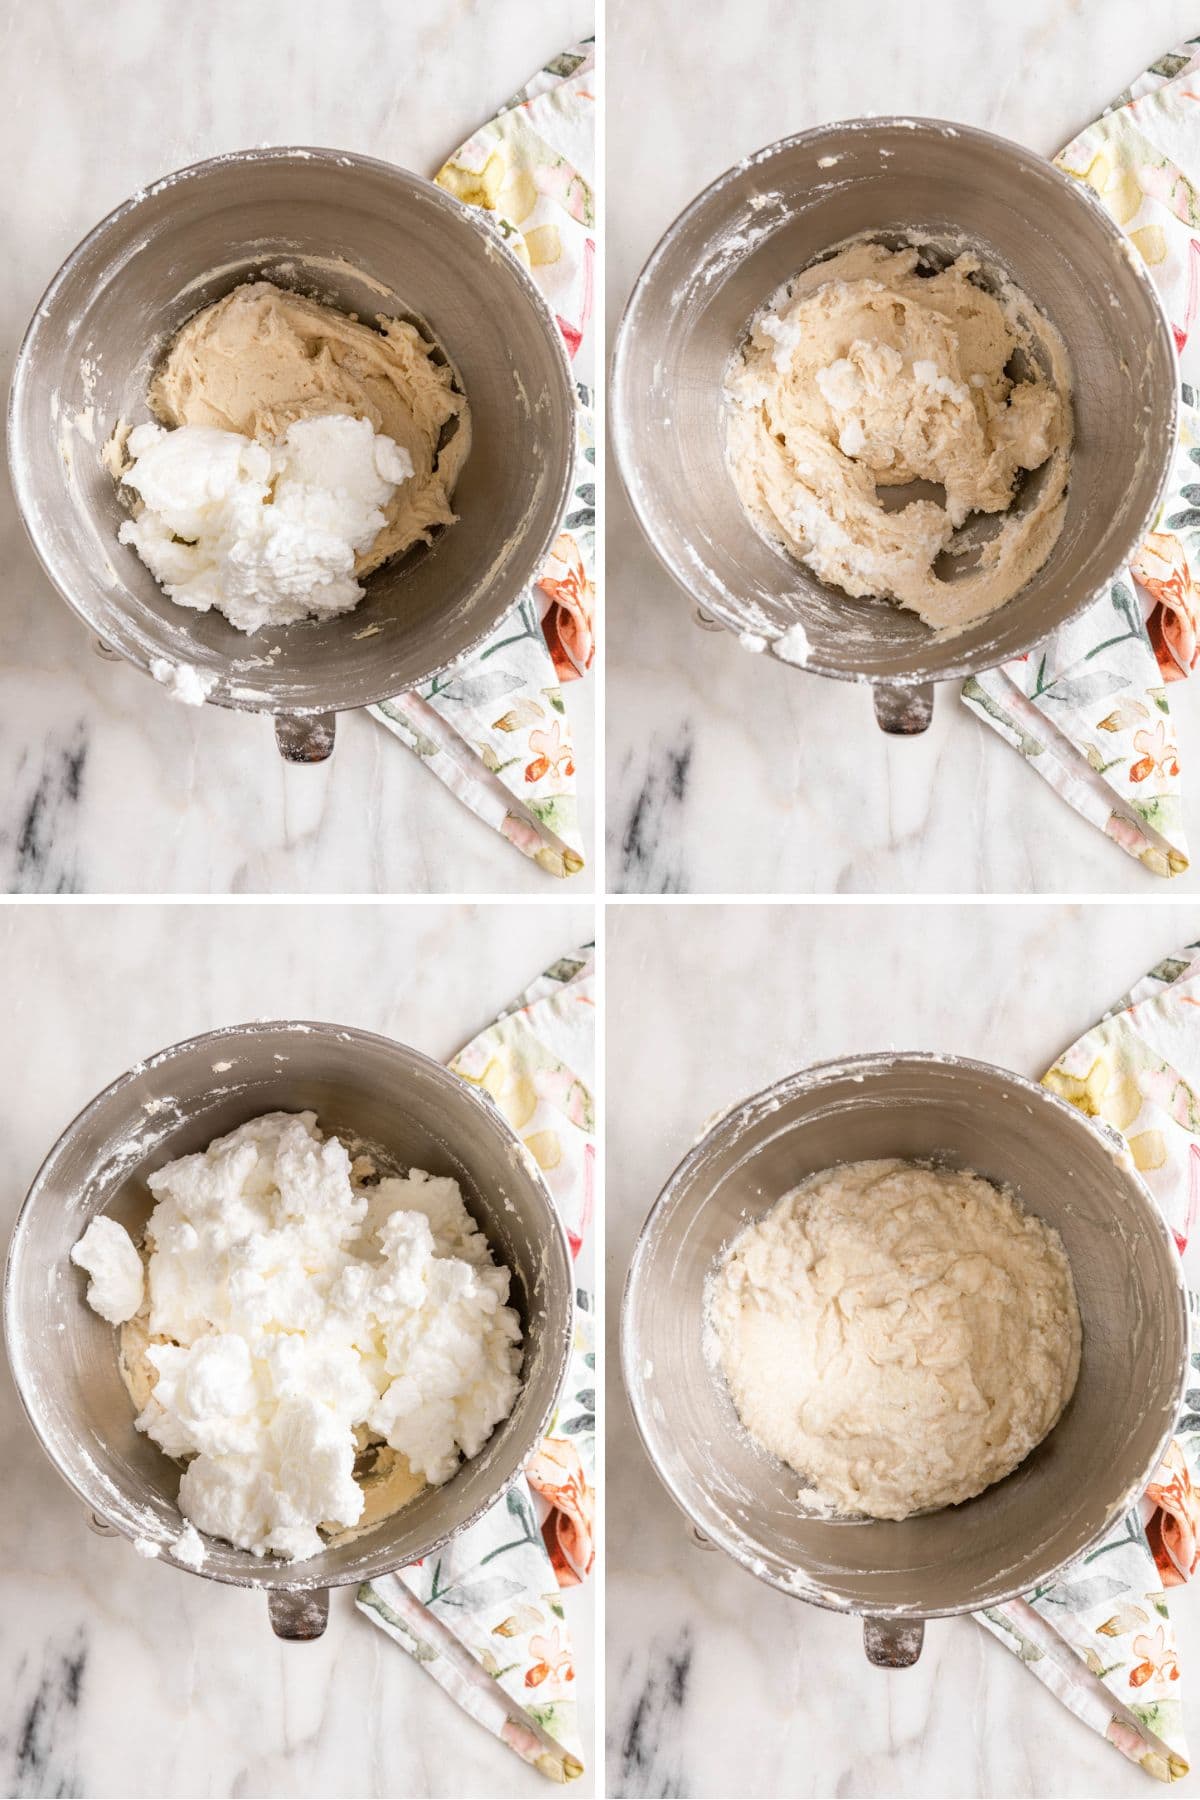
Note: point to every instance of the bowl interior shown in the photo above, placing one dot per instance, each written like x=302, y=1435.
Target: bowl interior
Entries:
x=1090, y=1468
x=364, y=237
x=413, y=1113
x=757, y=227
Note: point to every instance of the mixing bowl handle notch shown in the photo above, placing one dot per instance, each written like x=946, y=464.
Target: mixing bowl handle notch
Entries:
x=299, y=1614
x=903, y=711
x=893, y=1643
x=305, y=738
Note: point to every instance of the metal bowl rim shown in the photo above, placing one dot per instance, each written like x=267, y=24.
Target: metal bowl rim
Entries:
x=622, y=429
x=475, y=216
x=803, y=1081
x=272, y=1574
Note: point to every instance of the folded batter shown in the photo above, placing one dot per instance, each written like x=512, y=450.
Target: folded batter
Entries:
x=304, y=450
x=866, y=374
x=899, y=1335
x=262, y=358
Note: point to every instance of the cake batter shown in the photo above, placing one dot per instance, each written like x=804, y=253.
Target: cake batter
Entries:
x=867, y=374
x=303, y=449
x=901, y=1336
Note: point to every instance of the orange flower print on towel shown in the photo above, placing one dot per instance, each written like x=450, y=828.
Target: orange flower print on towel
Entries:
x=1157, y=754
x=554, y=1658
x=557, y=1474
x=568, y=626
x=1173, y=1529
x=1158, y=1658
x=1161, y=567
x=552, y=755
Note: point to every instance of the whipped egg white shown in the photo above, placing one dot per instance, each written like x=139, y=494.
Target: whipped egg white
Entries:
x=292, y=1318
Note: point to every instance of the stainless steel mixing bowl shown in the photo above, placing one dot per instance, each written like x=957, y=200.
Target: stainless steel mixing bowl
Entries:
x=1086, y=1474
x=365, y=237
x=410, y=1112
x=771, y=216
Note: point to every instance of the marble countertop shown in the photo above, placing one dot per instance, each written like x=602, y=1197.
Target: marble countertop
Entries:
x=731, y=773
x=112, y=787
x=123, y=1677
x=718, y=1684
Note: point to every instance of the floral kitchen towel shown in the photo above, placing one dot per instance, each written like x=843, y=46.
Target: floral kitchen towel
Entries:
x=1100, y=1635
x=485, y=1615
x=495, y=728
x=1089, y=710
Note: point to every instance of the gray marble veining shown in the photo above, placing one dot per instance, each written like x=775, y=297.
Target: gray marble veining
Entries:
x=718, y=1684
x=110, y=786
x=123, y=1677
x=787, y=784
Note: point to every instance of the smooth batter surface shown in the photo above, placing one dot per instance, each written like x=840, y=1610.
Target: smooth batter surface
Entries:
x=899, y=1335
x=866, y=375
x=262, y=358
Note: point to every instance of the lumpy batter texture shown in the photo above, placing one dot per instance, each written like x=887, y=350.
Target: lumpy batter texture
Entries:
x=262, y=358
x=901, y=1336
x=868, y=374
x=304, y=449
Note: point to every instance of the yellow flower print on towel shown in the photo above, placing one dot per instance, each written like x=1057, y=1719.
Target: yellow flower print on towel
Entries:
x=545, y=1147
x=1101, y=1094
x=1148, y=1150
x=500, y=188
x=1163, y=862
x=1115, y=183
x=1151, y=242
x=505, y=187
x=510, y=1087
x=476, y=187
x=544, y=245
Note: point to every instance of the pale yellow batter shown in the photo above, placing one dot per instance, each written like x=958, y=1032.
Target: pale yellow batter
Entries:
x=262, y=358
x=867, y=375
x=901, y=1336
